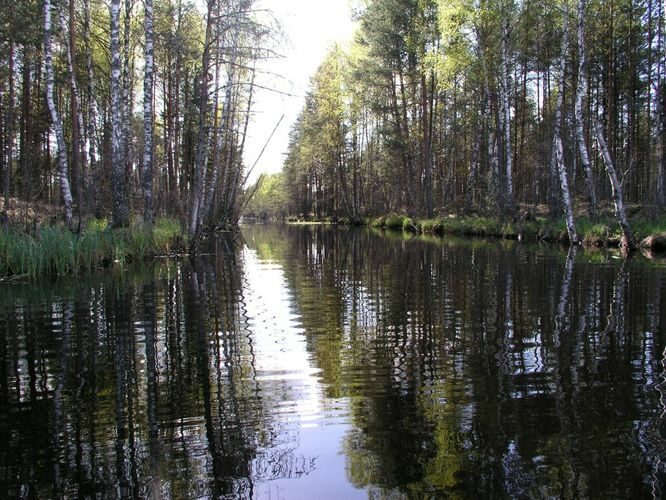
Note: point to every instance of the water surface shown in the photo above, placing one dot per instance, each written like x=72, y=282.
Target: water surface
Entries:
x=300, y=362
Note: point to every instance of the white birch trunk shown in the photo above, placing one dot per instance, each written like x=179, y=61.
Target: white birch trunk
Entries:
x=92, y=115
x=119, y=188
x=63, y=170
x=147, y=181
x=616, y=189
x=558, y=150
x=578, y=111
x=506, y=116
x=128, y=94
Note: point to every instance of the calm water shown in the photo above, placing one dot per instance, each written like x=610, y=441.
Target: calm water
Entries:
x=315, y=362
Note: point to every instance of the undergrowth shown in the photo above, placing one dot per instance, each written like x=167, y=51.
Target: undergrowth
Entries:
x=57, y=251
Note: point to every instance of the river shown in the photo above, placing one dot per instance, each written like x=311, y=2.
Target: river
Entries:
x=323, y=362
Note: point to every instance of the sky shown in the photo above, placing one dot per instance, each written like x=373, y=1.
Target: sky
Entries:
x=311, y=28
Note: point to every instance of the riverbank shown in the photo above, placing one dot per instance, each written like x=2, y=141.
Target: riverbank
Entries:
x=54, y=250
x=650, y=233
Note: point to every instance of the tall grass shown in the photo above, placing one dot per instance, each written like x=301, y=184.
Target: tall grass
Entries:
x=591, y=232
x=57, y=251
x=648, y=227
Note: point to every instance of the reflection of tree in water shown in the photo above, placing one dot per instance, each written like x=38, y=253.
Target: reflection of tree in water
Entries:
x=468, y=368
x=141, y=385
x=487, y=369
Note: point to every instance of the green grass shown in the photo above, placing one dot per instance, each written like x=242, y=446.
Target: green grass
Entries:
x=592, y=233
x=56, y=251
x=647, y=227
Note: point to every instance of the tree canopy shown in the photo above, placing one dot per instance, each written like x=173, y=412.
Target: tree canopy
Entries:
x=450, y=105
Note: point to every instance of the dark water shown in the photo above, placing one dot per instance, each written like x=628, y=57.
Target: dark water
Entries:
x=314, y=362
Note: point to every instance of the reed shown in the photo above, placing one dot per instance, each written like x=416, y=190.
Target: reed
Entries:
x=55, y=250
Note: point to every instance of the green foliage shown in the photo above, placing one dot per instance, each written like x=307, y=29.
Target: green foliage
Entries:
x=395, y=221
x=55, y=251
x=645, y=227
x=593, y=233
x=401, y=115
x=270, y=198
x=430, y=226
x=378, y=222
x=167, y=236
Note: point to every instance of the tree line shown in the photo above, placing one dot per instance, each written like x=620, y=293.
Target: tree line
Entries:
x=112, y=109
x=486, y=106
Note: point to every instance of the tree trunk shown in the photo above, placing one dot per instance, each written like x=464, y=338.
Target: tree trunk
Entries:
x=409, y=181
x=147, y=181
x=473, y=168
x=27, y=142
x=9, y=127
x=558, y=150
x=344, y=191
x=55, y=118
x=660, y=190
x=74, y=105
x=494, y=189
x=220, y=144
x=235, y=217
x=119, y=181
x=616, y=190
x=3, y=124
x=427, y=149
x=128, y=94
x=92, y=114
x=506, y=118
x=203, y=134
x=493, y=156
x=578, y=111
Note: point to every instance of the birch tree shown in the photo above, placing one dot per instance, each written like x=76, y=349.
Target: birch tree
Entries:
x=63, y=169
x=558, y=148
x=581, y=90
x=119, y=187
x=148, y=213
x=505, y=113
x=616, y=190
x=90, y=91
x=78, y=151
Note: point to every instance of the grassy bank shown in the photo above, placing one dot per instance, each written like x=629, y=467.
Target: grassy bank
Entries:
x=56, y=251
x=602, y=232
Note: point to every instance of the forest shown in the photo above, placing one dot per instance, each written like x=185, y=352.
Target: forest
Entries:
x=491, y=107
x=128, y=110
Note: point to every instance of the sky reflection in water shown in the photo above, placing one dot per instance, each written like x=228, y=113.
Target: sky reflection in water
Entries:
x=321, y=361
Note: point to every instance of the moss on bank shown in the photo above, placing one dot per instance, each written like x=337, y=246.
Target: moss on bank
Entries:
x=603, y=232
x=56, y=251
